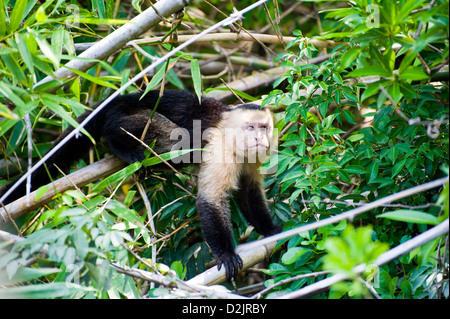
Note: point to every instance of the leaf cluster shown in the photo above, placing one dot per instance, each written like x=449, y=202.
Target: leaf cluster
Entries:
x=356, y=128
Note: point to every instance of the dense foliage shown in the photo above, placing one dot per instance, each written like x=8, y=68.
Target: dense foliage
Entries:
x=369, y=120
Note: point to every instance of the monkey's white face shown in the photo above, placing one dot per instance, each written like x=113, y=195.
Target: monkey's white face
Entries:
x=254, y=136
x=243, y=136
x=251, y=132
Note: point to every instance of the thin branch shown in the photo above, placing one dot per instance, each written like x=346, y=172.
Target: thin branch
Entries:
x=263, y=292
x=279, y=36
x=193, y=290
x=148, y=207
x=156, y=154
x=81, y=177
x=144, y=275
x=175, y=231
x=369, y=287
x=329, y=201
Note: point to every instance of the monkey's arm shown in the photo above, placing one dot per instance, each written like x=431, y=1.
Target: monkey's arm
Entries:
x=253, y=204
x=216, y=180
x=216, y=228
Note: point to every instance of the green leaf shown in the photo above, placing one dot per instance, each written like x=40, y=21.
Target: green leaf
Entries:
x=332, y=189
x=2, y=19
x=333, y=130
x=326, y=166
x=276, y=269
x=27, y=274
x=41, y=16
x=91, y=78
x=50, y=290
x=355, y=169
x=355, y=137
x=45, y=47
x=49, y=101
x=370, y=70
x=14, y=67
x=124, y=212
x=179, y=269
x=371, y=89
x=413, y=73
x=196, y=78
x=5, y=89
x=237, y=92
x=411, y=216
x=353, y=247
x=41, y=191
x=398, y=167
x=349, y=116
x=293, y=254
x=101, y=9
x=350, y=96
x=17, y=14
x=24, y=52
x=57, y=42
x=337, y=78
x=349, y=56
x=117, y=177
x=407, y=60
x=373, y=172
x=388, y=60
x=166, y=157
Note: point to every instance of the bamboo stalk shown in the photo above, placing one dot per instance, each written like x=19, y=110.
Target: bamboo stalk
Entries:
x=258, y=79
x=249, y=82
x=240, y=60
x=231, y=36
x=81, y=177
x=224, y=36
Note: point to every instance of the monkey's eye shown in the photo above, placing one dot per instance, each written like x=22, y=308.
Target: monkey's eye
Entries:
x=263, y=127
x=250, y=128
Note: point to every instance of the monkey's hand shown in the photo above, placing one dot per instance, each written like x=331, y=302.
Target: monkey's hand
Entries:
x=232, y=263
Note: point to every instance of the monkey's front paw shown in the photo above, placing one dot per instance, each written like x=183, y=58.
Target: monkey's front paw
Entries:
x=232, y=263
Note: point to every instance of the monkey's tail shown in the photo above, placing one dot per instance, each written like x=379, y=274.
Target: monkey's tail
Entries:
x=71, y=151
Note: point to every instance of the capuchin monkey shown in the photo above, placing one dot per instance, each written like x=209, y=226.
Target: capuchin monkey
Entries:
x=236, y=142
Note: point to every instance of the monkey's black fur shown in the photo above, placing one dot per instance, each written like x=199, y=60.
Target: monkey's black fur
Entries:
x=253, y=205
x=132, y=113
